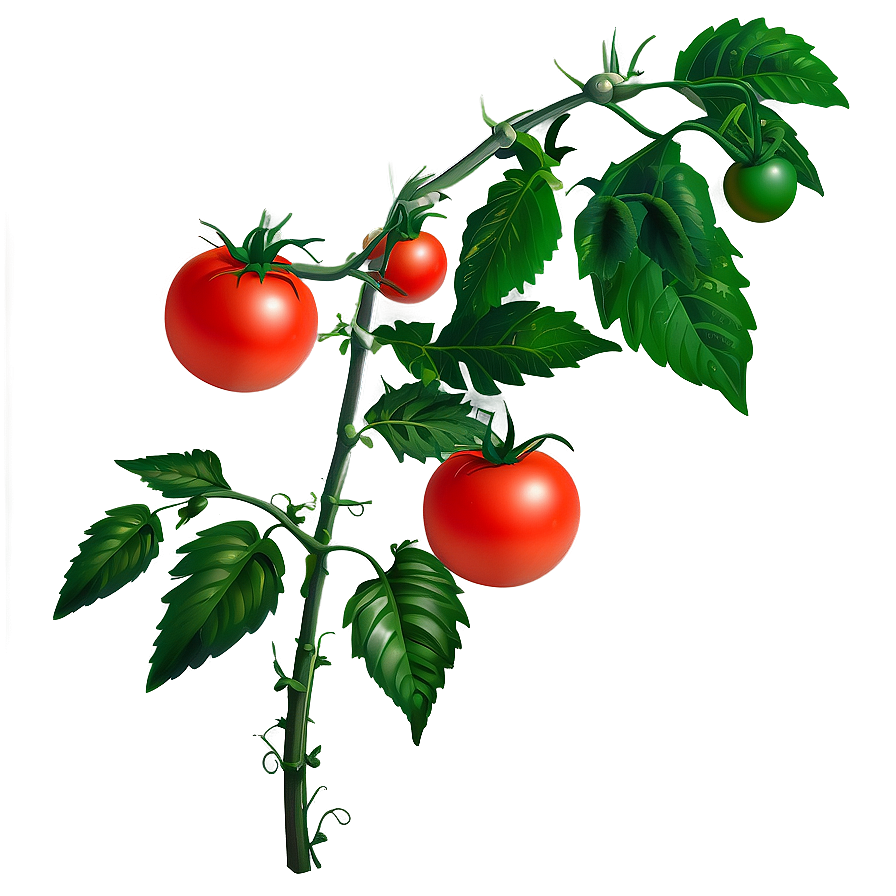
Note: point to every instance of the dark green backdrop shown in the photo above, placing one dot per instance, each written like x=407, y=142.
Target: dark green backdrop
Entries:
x=701, y=702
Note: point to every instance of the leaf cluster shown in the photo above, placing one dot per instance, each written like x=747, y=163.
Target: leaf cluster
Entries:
x=231, y=575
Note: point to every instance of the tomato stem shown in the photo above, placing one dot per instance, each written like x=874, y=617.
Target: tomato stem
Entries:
x=295, y=791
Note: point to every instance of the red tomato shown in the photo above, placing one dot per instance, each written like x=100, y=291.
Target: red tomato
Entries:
x=244, y=336
x=500, y=524
x=418, y=266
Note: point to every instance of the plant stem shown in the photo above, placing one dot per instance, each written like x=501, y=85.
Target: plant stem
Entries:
x=295, y=790
x=470, y=162
x=309, y=543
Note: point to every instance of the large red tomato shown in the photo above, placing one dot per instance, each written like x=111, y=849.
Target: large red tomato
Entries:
x=418, y=266
x=243, y=336
x=500, y=524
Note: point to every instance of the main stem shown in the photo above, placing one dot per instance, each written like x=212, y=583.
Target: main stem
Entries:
x=295, y=789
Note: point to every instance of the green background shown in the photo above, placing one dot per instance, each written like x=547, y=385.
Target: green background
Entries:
x=696, y=701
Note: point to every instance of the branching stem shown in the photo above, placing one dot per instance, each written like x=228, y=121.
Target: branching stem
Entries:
x=299, y=852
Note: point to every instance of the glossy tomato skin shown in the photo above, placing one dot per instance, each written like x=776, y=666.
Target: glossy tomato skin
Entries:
x=418, y=266
x=761, y=193
x=500, y=524
x=243, y=337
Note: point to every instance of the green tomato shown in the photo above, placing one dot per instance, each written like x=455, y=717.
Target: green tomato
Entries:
x=761, y=192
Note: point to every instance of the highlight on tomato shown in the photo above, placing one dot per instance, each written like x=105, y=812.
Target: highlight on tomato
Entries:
x=237, y=318
x=418, y=267
x=499, y=516
x=762, y=192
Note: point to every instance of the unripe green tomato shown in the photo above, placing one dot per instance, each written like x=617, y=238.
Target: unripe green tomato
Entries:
x=761, y=192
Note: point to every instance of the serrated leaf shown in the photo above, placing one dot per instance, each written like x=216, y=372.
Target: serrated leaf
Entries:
x=662, y=238
x=507, y=241
x=509, y=341
x=702, y=333
x=406, y=630
x=179, y=475
x=232, y=577
x=421, y=421
x=687, y=193
x=777, y=65
x=120, y=547
x=605, y=235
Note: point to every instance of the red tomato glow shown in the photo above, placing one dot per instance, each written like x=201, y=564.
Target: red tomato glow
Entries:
x=242, y=336
x=500, y=525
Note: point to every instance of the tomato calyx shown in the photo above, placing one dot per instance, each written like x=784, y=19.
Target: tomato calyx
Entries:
x=260, y=248
x=503, y=452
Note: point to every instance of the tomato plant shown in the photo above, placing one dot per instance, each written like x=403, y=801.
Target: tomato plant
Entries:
x=761, y=192
x=241, y=318
x=418, y=267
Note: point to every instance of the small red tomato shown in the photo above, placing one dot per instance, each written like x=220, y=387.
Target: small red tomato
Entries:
x=242, y=336
x=418, y=266
x=500, y=524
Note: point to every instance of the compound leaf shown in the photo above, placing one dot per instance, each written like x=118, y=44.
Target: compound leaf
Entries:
x=179, y=475
x=232, y=577
x=419, y=420
x=120, y=547
x=507, y=241
x=405, y=630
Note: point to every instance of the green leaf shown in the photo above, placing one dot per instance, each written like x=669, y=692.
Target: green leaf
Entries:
x=507, y=241
x=311, y=759
x=790, y=148
x=676, y=224
x=406, y=630
x=514, y=339
x=662, y=238
x=702, y=333
x=605, y=235
x=179, y=475
x=232, y=578
x=412, y=343
x=551, y=150
x=420, y=420
x=687, y=193
x=120, y=547
x=777, y=65
x=529, y=154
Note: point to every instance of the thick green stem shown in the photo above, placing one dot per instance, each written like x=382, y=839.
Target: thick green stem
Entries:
x=487, y=148
x=295, y=789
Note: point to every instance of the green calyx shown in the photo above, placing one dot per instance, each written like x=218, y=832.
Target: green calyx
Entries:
x=260, y=248
x=499, y=452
